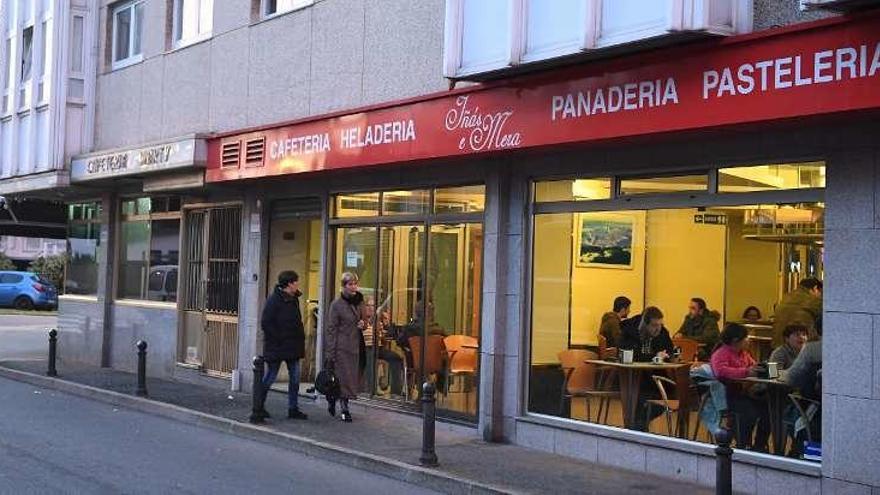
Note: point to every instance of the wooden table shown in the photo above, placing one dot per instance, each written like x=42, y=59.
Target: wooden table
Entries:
x=631, y=382
x=777, y=393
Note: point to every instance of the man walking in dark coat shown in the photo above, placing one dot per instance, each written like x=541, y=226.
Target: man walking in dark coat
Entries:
x=284, y=339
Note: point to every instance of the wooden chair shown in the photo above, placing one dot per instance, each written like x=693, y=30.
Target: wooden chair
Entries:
x=433, y=358
x=690, y=348
x=462, y=357
x=669, y=406
x=585, y=380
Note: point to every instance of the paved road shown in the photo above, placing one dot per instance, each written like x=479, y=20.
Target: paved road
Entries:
x=56, y=443
x=25, y=336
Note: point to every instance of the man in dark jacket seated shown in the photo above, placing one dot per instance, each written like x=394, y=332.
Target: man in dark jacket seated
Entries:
x=646, y=336
x=284, y=340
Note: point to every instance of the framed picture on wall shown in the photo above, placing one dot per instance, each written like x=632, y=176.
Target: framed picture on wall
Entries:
x=605, y=241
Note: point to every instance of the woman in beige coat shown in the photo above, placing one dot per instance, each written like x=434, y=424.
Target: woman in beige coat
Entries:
x=342, y=342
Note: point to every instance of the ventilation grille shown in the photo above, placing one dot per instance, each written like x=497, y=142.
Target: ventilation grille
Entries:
x=253, y=152
x=230, y=154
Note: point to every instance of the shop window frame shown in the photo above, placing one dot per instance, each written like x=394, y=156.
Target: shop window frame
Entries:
x=148, y=217
x=710, y=198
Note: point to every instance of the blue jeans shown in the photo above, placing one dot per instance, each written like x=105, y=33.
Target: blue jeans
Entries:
x=292, y=386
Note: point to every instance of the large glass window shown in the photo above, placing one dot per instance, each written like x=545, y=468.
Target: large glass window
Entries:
x=83, y=240
x=772, y=177
x=276, y=7
x=149, y=249
x=596, y=273
x=422, y=285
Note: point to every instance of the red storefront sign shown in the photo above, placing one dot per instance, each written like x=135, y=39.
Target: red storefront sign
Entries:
x=826, y=68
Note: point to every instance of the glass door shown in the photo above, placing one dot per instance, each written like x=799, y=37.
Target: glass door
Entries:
x=454, y=298
x=399, y=354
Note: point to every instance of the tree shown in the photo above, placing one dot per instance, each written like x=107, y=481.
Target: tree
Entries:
x=51, y=268
x=5, y=262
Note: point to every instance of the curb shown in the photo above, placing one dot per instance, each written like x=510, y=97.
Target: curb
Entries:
x=427, y=478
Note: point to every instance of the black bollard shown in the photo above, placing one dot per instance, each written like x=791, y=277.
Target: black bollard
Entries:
x=142, y=368
x=723, y=471
x=53, y=352
x=429, y=413
x=257, y=391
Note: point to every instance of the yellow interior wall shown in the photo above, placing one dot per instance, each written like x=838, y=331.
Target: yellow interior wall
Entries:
x=551, y=286
x=685, y=260
x=593, y=289
x=752, y=271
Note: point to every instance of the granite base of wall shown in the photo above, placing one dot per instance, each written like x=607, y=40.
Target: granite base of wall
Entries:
x=676, y=463
x=80, y=330
x=155, y=325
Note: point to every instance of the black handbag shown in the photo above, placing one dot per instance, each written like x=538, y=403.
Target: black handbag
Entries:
x=326, y=383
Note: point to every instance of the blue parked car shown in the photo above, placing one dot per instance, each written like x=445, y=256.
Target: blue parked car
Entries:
x=26, y=290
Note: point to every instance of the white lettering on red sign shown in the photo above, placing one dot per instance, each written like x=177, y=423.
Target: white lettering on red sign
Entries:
x=396, y=131
x=299, y=145
x=486, y=130
x=787, y=72
x=611, y=99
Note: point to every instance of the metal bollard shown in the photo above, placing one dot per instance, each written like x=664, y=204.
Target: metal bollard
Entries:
x=429, y=413
x=723, y=472
x=142, y=368
x=257, y=391
x=53, y=352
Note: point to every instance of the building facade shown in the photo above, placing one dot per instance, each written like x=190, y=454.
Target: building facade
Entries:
x=720, y=150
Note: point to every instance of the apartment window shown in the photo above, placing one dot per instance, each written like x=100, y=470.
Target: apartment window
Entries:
x=83, y=240
x=10, y=74
x=43, y=62
x=275, y=7
x=27, y=54
x=128, y=27
x=76, y=83
x=33, y=244
x=149, y=249
x=193, y=20
x=483, y=36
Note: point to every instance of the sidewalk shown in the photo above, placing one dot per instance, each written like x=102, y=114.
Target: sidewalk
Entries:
x=392, y=436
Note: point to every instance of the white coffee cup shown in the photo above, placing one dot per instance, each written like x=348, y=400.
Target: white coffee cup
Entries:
x=627, y=356
x=657, y=360
x=772, y=370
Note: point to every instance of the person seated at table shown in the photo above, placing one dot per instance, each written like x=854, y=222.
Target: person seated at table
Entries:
x=647, y=340
x=795, y=338
x=731, y=362
x=804, y=371
x=646, y=336
x=375, y=342
x=801, y=306
x=805, y=375
x=610, y=326
x=752, y=315
x=700, y=324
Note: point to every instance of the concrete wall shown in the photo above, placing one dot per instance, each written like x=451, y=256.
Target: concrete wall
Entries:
x=335, y=54
x=80, y=330
x=156, y=325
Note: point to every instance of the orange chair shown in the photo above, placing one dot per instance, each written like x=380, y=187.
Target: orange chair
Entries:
x=669, y=406
x=462, y=356
x=433, y=357
x=585, y=380
x=690, y=348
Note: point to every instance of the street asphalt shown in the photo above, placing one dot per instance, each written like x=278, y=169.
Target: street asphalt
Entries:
x=25, y=336
x=52, y=442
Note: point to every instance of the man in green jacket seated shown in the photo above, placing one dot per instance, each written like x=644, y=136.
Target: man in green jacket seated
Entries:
x=802, y=306
x=701, y=325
